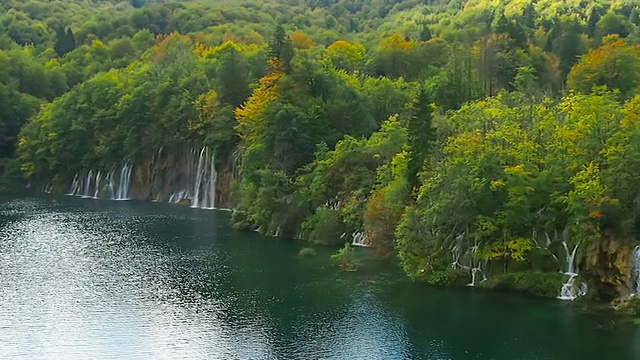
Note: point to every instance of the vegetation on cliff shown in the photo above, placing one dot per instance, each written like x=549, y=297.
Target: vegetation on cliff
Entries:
x=469, y=139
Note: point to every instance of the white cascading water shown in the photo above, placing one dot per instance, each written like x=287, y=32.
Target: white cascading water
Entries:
x=178, y=196
x=110, y=185
x=74, y=186
x=204, y=189
x=359, y=239
x=569, y=291
x=570, y=258
x=455, y=254
x=97, y=187
x=87, y=186
x=47, y=188
x=636, y=272
x=475, y=269
x=124, y=185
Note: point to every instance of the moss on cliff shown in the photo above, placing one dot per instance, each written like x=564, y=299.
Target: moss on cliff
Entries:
x=538, y=283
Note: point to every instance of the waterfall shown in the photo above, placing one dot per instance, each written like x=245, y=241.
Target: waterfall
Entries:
x=178, y=196
x=87, y=185
x=204, y=188
x=74, y=186
x=213, y=179
x=47, y=188
x=125, y=182
x=475, y=269
x=359, y=239
x=570, y=258
x=455, y=254
x=636, y=271
x=97, y=189
x=109, y=180
x=569, y=290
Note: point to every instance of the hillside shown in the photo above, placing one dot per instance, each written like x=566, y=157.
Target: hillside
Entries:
x=470, y=140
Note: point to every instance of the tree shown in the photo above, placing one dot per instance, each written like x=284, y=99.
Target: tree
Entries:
x=232, y=76
x=137, y=3
x=615, y=65
x=347, y=56
x=65, y=42
x=421, y=138
x=611, y=23
x=281, y=49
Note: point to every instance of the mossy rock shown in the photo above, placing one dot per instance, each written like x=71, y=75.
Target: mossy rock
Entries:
x=538, y=283
x=184, y=202
x=627, y=305
x=306, y=252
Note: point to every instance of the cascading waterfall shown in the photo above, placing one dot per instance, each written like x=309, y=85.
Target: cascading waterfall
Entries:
x=569, y=290
x=124, y=185
x=47, y=188
x=90, y=187
x=636, y=272
x=460, y=256
x=97, y=189
x=570, y=258
x=204, y=189
x=455, y=254
x=175, y=176
x=74, y=186
x=477, y=268
x=87, y=185
x=359, y=239
x=109, y=185
x=178, y=196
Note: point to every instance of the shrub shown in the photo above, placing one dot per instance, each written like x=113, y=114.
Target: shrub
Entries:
x=345, y=259
x=545, y=284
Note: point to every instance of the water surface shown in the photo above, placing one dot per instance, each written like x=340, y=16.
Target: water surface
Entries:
x=91, y=279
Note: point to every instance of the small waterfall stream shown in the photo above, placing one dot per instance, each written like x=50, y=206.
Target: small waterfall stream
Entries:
x=635, y=291
x=74, y=186
x=204, y=188
x=97, y=187
x=461, y=256
x=476, y=267
x=359, y=239
x=87, y=185
x=569, y=290
x=124, y=185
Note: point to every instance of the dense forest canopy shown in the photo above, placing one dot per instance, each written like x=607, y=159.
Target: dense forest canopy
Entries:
x=464, y=138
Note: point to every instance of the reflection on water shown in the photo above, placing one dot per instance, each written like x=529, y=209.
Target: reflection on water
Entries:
x=95, y=279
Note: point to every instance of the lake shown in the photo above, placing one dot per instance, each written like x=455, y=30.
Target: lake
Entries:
x=95, y=279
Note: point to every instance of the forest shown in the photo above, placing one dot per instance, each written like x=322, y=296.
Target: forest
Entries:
x=493, y=143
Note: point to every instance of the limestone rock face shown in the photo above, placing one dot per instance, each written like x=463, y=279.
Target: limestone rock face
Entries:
x=178, y=175
x=608, y=262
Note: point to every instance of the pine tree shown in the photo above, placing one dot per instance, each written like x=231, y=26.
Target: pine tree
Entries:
x=137, y=3
x=421, y=138
x=65, y=41
x=281, y=49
